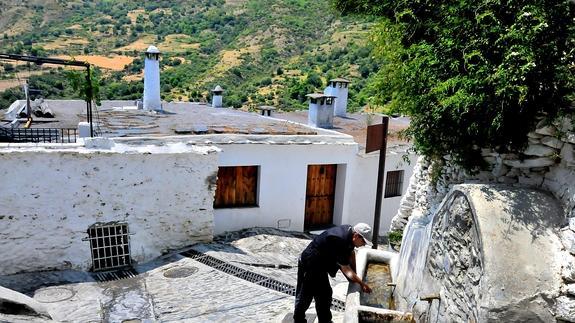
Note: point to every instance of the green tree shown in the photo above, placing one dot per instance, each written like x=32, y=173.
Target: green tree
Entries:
x=472, y=74
x=89, y=89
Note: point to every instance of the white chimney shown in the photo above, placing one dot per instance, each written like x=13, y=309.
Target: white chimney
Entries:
x=152, y=100
x=339, y=88
x=320, y=112
x=217, y=97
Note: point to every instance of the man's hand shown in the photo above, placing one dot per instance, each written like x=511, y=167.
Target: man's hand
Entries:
x=352, y=276
x=365, y=288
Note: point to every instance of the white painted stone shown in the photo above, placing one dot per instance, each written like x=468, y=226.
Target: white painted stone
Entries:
x=543, y=128
x=509, y=156
x=499, y=170
x=569, y=137
x=514, y=172
x=529, y=163
x=538, y=170
x=565, y=309
x=487, y=152
x=539, y=150
x=566, y=124
x=568, y=154
x=568, y=240
x=490, y=160
x=572, y=223
x=562, y=175
x=532, y=180
x=568, y=268
x=570, y=289
x=534, y=135
x=533, y=141
x=484, y=176
x=552, y=142
x=506, y=180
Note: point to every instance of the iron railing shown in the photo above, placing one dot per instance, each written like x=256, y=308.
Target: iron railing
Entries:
x=55, y=135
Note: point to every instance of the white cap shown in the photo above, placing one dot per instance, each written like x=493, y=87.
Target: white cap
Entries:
x=364, y=230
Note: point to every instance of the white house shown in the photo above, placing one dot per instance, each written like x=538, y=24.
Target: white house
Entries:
x=167, y=179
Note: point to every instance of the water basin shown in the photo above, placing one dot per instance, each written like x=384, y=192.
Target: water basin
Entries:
x=375, y=268
x=378, y=276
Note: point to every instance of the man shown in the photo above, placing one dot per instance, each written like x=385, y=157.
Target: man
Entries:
x=328, y=252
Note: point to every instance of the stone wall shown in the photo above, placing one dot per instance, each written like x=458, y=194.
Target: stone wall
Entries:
x=548, y=163
x=454, y=238
x=51, y=195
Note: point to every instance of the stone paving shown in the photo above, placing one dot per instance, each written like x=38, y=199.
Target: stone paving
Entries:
x=176, y=288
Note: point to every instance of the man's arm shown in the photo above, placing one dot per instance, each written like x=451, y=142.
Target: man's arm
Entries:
x=352, y=260
x=352, y=276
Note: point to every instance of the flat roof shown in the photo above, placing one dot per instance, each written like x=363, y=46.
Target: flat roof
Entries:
x=355, y=124
x=123, y=119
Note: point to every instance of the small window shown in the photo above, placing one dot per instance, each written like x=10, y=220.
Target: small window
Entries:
x=329, y=101
x=110, y=246
x=394, y=183
x=237, y=186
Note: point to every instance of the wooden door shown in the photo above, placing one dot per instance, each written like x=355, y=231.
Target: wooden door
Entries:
x=320, y=196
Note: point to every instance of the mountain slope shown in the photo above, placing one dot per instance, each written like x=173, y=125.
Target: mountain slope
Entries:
x=259, y=51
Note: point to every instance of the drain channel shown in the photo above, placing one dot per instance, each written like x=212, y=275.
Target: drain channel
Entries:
x=251, y=276
x=114, y=275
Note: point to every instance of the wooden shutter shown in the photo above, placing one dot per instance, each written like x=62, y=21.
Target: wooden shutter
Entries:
x=236, y=186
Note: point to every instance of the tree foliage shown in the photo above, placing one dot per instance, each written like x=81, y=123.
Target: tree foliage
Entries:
x=88, y=88
x=472, y=74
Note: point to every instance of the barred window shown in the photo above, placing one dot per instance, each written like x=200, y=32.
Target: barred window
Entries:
x=394, y=183
x=237, y=186
x=110, y=246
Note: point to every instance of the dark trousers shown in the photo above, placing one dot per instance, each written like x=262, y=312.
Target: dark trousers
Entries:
x=312, y=284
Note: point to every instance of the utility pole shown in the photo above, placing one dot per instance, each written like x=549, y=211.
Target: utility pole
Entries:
x=377, y=140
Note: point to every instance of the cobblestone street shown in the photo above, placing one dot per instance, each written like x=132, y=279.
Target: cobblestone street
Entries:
x=245, y=276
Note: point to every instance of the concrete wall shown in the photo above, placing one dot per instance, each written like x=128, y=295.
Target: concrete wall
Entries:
x=49, y=198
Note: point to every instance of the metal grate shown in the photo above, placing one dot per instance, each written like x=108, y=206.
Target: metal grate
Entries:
x=110, y=245
x=114, y=275
x=251, y=276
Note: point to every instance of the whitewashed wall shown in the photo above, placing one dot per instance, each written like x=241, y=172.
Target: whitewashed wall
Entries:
x=49, y=198
x=282, y=182
x=360, y=203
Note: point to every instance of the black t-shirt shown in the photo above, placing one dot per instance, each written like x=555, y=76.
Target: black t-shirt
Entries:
x=329, y=250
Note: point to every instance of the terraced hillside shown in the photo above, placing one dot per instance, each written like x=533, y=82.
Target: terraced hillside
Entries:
x=260, y=51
